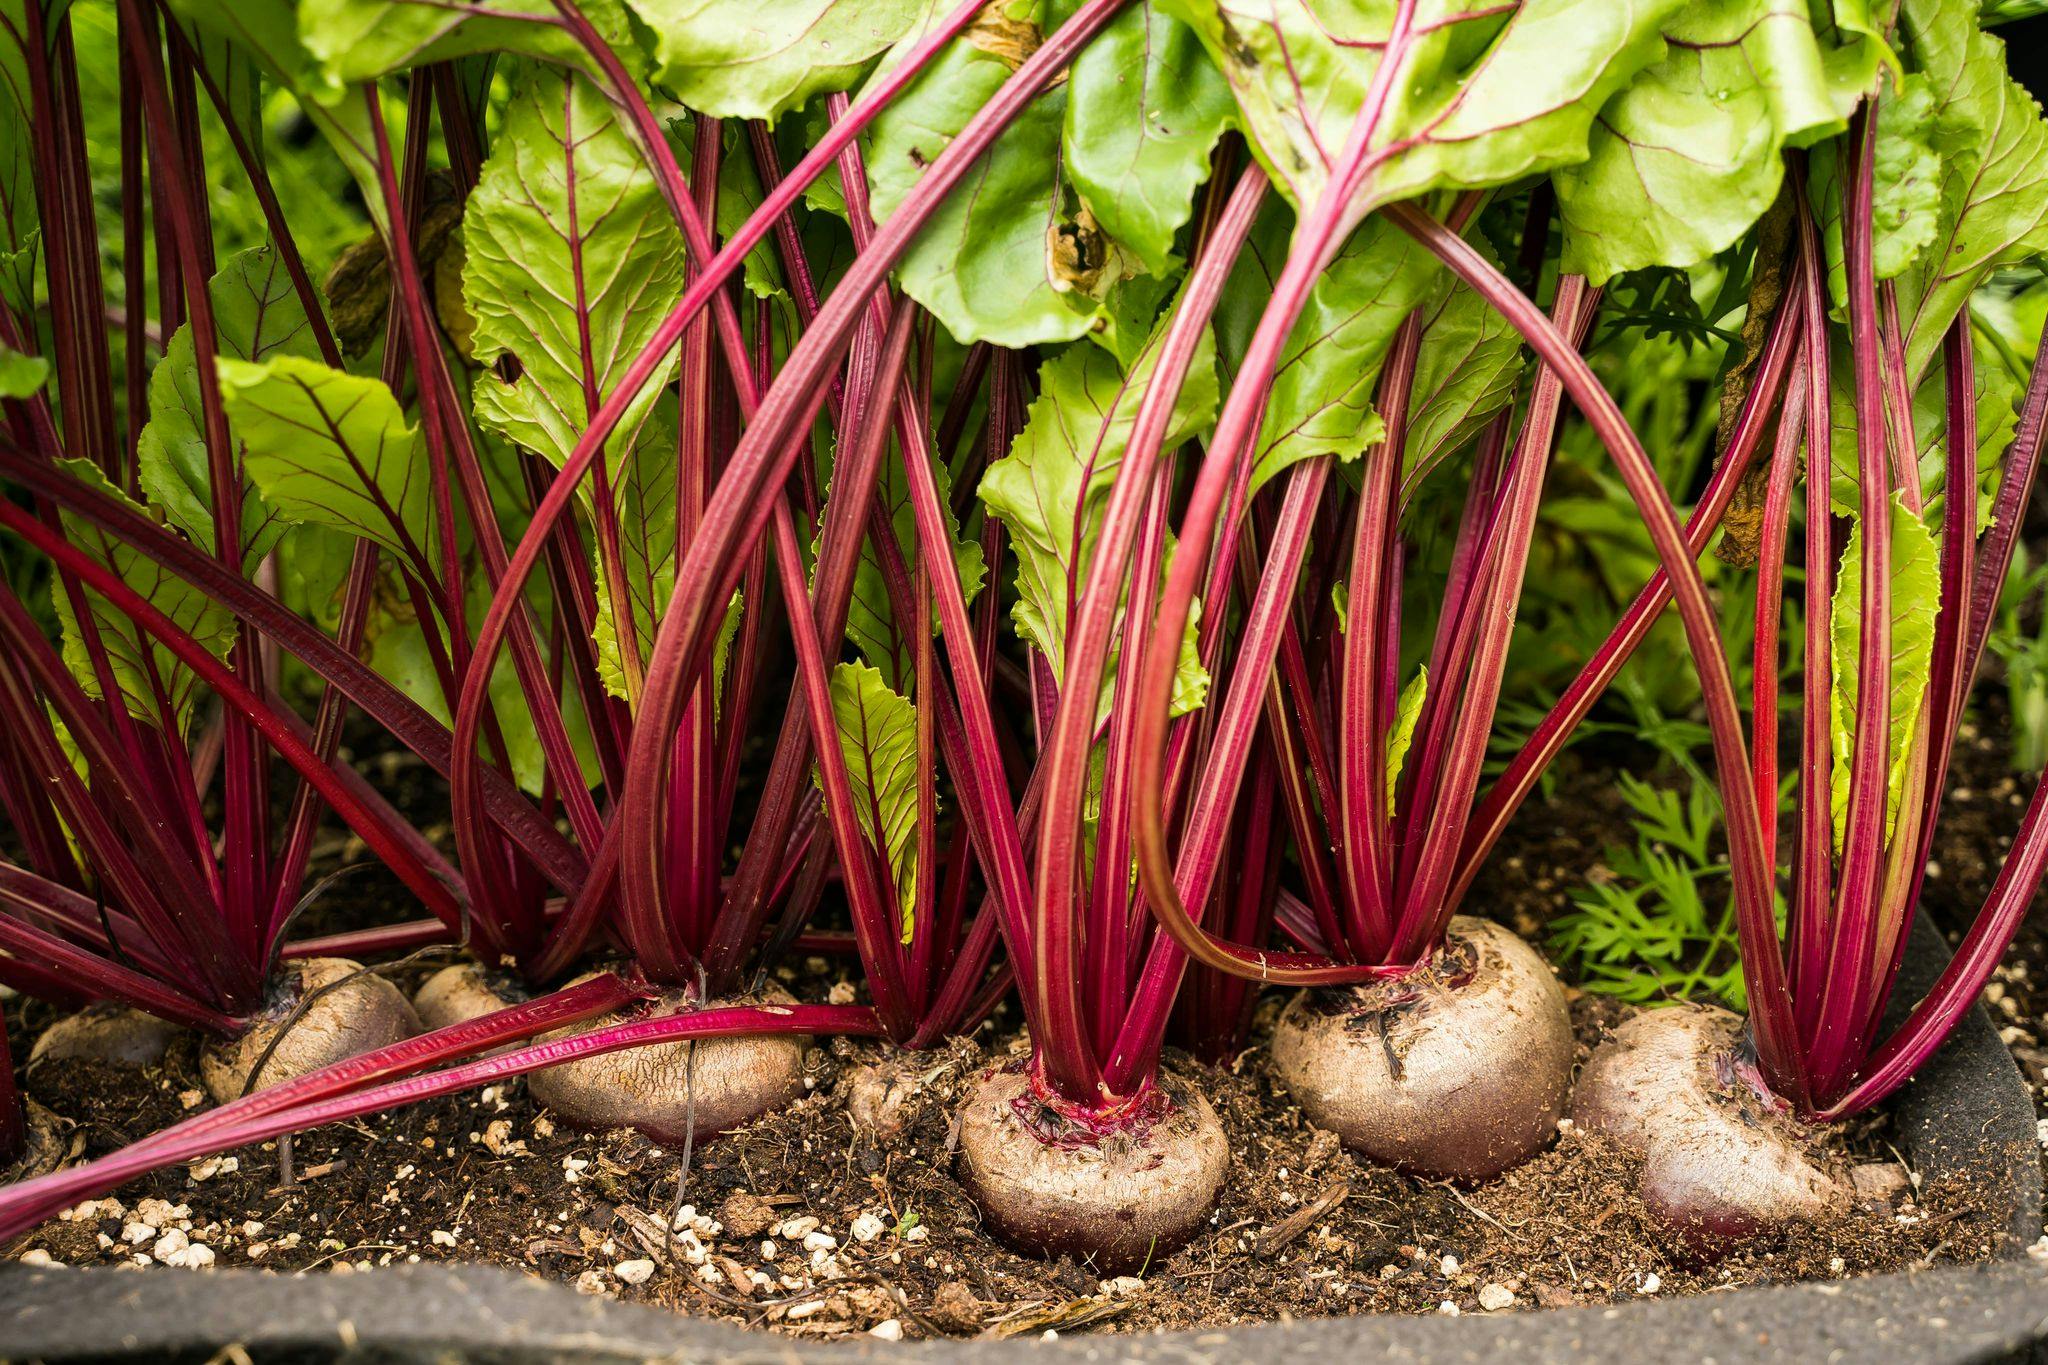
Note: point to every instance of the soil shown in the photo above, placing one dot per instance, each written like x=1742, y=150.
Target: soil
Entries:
x=809, y=1224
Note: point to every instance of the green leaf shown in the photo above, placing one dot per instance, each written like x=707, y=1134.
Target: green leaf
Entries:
x=154, y=685
x=19, y=223
x=1998, y=396
x=1011, y=256
x=1465, y=372
x=1994, y=176
x=1688, y=157
x=739, y=194
x=240, y=82
x=870, y=620
x=571, y=257
x=268, y=32
x=1406, y=713
x=878, y=736
x=22, y=376
x=257, y=315
x=1190, y=679
x=1051, y=489
x=1321, y=402
x=1915, y=601
x=1487, y=97
x=362, y=40
x=763, y=58
x=398, y=649
x=1999, y=391
x=644, y=504
x=332, y=449
x=1914, y=133
x=1145, y=107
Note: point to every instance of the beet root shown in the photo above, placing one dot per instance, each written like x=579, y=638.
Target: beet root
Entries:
x=1113, y=1196
x=734, y=1080
x=337, y=1021
x=458, y=994
x=1723, y=1159
x=113, y=1034
x=1458, y=1070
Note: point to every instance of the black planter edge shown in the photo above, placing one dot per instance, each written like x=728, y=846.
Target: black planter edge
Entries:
x=1966, y=1116
x=450, y=1315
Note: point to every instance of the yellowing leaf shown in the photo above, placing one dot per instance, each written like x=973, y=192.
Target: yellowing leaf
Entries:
x=1051, y=489
x=1406, y=713
x=878, y=736
x=1915, y=602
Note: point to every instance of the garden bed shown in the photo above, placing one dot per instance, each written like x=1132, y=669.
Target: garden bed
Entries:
x=1305, y=1229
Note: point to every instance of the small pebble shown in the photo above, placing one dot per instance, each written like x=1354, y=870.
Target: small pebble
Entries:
x=637, y=1271
x=159, y=1214
x=194, y=1256
x=1494, y=1297
x=867, y=1228
x=889, y=1329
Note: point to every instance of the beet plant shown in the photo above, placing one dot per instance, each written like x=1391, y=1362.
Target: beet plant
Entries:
x=926, y=965
x=1081, y=1148
x=1447, y=1049
x=1390, y=751
x=128, y=890
x=1930, y=440
x=255, y=404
